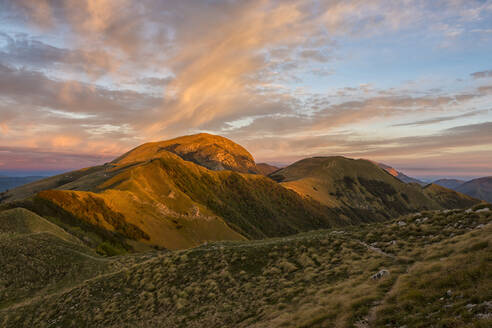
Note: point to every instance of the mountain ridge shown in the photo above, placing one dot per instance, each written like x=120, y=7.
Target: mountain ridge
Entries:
x=158, y=195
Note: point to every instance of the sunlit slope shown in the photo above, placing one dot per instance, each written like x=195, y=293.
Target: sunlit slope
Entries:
x=158, y=196
x=363, y=186
x=174, y=203
x=211, y=151
x=84, y=179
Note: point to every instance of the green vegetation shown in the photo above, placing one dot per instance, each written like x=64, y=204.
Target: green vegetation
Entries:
x=94, y=247
x=435, y=271
x=162, y=195
x=361, y=189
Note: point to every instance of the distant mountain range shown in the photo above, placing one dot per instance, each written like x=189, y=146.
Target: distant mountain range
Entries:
x=480, y=188
x=12, y=182
x=400, y=175
x=449, y=183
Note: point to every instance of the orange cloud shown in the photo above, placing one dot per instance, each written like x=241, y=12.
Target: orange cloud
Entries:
x=4, y=128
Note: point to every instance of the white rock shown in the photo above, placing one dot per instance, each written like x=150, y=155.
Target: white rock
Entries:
x=380, y=274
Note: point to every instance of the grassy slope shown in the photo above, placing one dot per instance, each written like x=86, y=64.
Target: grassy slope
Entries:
x=316, y=279
x=38, y=257
x=361, y=185
x=211, y=151
x=266, y=169
x=480, y=188
x=174, y=203
x=152, y=197
x=19, y=221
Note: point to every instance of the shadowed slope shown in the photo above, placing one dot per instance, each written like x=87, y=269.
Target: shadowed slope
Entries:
x=362, y=185
x=316, y=279
x=19, y=221
x=153, y=197
x=449, y=183
x=173, y=203
x=266, y=169
x=479, y=188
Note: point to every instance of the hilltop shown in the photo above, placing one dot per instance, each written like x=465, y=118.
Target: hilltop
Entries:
x=179, y=193
x=211, y=151
x=364, y=187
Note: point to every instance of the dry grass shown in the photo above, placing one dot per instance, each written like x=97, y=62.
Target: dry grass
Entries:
x=315, y=279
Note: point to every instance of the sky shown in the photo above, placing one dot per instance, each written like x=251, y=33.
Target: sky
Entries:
x=407, y=83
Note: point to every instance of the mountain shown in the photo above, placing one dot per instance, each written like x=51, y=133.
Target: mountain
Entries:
x=172, y=234
x=166, y=195
x=432, y=269
x=266, y=169
x=480, y=188
x=153, y=197
x=449, y=183
x=362, y=186
x=211, y=151
x=7, y=183
x=399, y=175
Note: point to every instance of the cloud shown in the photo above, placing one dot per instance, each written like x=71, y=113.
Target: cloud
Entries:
x=444, y=118
x=86, y=74
x=482, y=74
x=23, y=158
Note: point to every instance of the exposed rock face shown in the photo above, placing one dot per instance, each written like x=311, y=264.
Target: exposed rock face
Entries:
x=213, y=152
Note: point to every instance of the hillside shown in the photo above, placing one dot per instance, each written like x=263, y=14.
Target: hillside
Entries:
x=362, y=186
x=19, y=221
x=153, y=197
x=401, y=176
x=265, y=168
x=449, y=183
x=480, y=188
x=420, y=270
x=7, y=183
x=169, y=202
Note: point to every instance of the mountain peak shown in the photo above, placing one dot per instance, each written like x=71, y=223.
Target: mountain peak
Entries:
x=211, y=151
